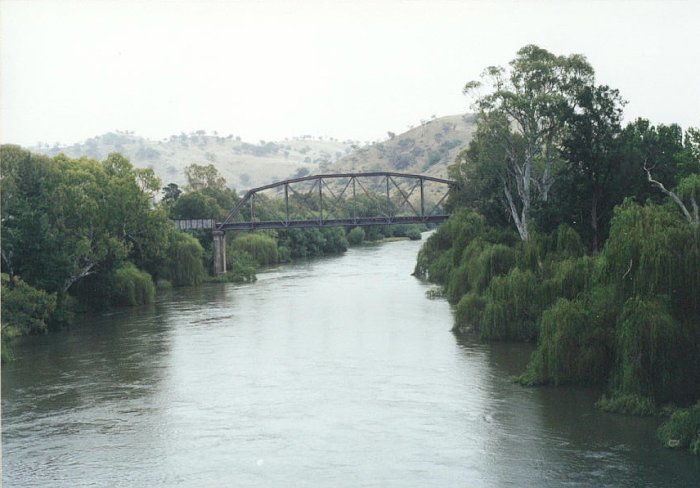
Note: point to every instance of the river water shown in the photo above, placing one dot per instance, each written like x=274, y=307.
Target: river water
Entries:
x=333, y=373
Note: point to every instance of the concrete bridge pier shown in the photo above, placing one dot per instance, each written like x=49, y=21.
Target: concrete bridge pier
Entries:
x=219, y=252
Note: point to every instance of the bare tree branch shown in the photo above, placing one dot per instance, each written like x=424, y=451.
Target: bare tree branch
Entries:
x=675, y=198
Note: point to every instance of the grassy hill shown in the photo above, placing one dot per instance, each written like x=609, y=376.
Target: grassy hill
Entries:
x=244, y=165
x=427, y=149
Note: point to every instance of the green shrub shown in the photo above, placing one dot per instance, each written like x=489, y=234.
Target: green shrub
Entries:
x=450, y=237
x=374, y=233
x=334, y=241
x=652, y=251
x=494, y=260
x=184, y=263
x=654, y=352
x=284, y=254
x=571, y=349
x=530, y=254
x=569, y=278
x=457, y=282
x=439, y=269
x=682, y=430
x=413, y=233
x=163, y=284
x=469, y=312
x=356, y=236
x=512, y=307
x=576, y=342
x=567, y=243
x=628, y=404
x=242, y=269
x=261, y=247
x=132, y=286
x=25, y=309
x=307, y=243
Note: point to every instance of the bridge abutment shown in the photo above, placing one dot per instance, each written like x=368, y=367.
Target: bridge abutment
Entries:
x=219, y=253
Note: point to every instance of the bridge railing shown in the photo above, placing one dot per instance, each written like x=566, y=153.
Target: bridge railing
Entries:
x=194, y=224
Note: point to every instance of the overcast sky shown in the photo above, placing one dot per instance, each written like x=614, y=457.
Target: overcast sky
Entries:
x=353, y=69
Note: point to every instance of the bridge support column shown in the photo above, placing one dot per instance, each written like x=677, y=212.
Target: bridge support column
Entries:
x=219, y=252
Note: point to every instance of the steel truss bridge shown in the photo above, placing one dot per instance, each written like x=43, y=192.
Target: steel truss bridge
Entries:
x=341, y=200
x=333, y=200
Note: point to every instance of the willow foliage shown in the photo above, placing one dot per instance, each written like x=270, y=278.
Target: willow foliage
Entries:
x=458, y=280
x=184, y=260
x=492, y=261
x=512, y=306
x=655, y=353
x=469, y=312
x=573, y=348
x=653, y=251
x=262, y=248
x=631, y=316
x=241, y=269
x=132, y=286
x=437, y=256
x=682, y=430
x=569, y=278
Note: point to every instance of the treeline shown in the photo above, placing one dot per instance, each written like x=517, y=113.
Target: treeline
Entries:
x=581, y=235
x=81, y=234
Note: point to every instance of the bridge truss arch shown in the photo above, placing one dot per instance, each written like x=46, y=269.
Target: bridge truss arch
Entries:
x=342, y=199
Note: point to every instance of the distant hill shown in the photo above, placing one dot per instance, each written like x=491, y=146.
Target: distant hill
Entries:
x=243, y=164
x=427, y=149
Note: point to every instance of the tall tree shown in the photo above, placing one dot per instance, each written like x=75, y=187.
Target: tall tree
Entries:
x=524, y=114
x=591, y=148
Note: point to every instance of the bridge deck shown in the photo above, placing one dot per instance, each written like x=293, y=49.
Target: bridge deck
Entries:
x=305, y=224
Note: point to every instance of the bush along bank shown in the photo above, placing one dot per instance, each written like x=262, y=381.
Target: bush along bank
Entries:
x=627, y=318
x=576, y=233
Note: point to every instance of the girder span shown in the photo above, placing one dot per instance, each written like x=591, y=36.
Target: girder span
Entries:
x=342, y=199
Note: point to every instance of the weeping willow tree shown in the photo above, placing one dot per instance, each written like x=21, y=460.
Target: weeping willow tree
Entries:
x=185, y=256
x=132, y=286
x=512, y=306
x=636, y=324
x=651, y=252
x=442, y=251
x=262, y=248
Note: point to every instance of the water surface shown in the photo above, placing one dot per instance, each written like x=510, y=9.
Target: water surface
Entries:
x=337, y=372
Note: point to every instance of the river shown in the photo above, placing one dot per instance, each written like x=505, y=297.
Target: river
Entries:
x=337, y=372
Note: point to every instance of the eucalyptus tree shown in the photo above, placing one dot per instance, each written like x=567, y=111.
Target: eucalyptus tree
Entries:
x=67, y=219
x=592, y=149
x=521, y=124
x=206, y=195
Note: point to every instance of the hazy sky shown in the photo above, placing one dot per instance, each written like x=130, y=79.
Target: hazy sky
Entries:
x=352, y=69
